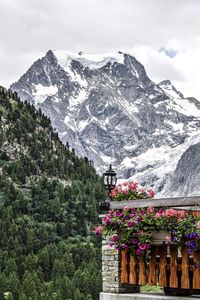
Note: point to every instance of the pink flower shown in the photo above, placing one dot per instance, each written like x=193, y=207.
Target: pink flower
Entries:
x=198, y=225
x=129, y=223
x=168, y=238
x=159, y=214
x=113, y=193
x=119, y=221
x=138, y=252
x=143, y=246
x=150, y=209
x=119, y=190
x=115, y=238
x=150, y=193
x=125, y=183
x=126, y=208
x=133, y=186
x=98, y=230
x=179, y=214
x=125, y=192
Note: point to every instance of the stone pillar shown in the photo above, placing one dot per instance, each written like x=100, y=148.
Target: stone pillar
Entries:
x=110, y=268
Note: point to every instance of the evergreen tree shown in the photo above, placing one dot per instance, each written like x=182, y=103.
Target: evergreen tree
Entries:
x=48, y=204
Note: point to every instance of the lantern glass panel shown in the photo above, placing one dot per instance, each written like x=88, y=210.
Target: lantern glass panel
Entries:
x=114, y=179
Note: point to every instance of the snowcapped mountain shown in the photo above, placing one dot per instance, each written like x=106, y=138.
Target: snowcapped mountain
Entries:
x=108, y=109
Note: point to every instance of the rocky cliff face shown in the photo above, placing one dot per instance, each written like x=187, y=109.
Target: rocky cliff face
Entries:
x=186, y=177
x=108, y=109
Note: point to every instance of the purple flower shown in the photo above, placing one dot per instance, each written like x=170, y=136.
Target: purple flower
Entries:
x=143, y=246
x=175, y=239
x=134, y=241
x=129, y=223
x=138, y=252
x=192, y=244
x=98, y=230
x=118, y=214
x=115, y=238
x=193, y=235
x=123, y=246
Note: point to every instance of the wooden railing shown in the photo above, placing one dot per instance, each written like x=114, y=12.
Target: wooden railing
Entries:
x=164, y=266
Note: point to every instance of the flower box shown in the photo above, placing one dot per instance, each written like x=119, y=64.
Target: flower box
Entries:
x=160, y=237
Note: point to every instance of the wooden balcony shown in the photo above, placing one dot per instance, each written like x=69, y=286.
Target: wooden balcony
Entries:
x=163, y=265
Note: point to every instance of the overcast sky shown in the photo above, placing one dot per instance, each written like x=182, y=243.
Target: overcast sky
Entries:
x=163, y=35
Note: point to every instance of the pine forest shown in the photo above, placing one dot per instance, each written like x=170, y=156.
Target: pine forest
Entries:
x=48, y=206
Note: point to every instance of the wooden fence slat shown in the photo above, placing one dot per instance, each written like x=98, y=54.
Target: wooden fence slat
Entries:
x=196, y=214
x=196, y=271
x=185, y=281
x=124, y=262
x=142, y=273
x=152, y=267
x=133, y=274
x=173, y=280
x=162, y=266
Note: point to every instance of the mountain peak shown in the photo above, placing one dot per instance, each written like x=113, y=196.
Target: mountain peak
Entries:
x=168, y=87
x=108, y=109
x=165, y=82
x=93, y=61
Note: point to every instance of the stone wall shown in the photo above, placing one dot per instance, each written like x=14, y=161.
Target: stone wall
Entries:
x=110, y=268
x=111, y=271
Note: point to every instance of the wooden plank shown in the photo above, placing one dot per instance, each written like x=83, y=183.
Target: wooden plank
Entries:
x=196, y=271
x=162, y=266
x=142, y=273
x=196, y=214
x=173, y=279
x=132, y=275
x=185, y=282
x=124, y=264
x=156, y=202
x=189, y=208
x=152, y=267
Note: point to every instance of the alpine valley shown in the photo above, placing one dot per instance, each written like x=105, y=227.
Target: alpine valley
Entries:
x=107, y=108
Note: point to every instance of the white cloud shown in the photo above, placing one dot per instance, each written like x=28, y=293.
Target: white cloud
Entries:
x=183, y=69
x=30, y=28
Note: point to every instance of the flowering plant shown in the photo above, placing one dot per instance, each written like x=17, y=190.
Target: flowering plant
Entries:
x=131, y=191
x=132, y=228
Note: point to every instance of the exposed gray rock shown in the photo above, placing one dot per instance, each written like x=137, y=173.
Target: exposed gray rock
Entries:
x=109, y=110
x=186, y=177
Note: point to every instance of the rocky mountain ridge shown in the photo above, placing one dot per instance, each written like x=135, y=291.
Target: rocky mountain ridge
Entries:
x=109, y=110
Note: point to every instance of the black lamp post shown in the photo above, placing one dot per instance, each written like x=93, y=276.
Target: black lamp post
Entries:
x=110, y=180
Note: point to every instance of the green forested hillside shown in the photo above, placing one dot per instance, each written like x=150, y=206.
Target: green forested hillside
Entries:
x=48, y=205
